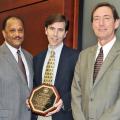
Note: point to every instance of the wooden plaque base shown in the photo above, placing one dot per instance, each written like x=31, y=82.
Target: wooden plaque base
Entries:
x=43, y=98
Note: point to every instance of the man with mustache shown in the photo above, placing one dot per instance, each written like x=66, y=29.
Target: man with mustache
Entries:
x=15, y=72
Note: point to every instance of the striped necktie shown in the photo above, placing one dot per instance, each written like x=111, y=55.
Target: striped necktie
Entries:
x=48, y=77
x=98, y=63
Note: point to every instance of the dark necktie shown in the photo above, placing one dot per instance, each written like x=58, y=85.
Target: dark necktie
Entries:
x=98, y=63
x=21, y=64
x=48, y=77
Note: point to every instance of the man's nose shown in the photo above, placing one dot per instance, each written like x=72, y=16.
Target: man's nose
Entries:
x=55, y=32
x=101, y=21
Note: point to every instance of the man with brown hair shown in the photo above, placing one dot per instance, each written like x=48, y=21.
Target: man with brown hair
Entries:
x=96, y=83
x=56, y=29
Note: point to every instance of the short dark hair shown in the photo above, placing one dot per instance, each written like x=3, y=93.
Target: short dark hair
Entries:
x=114, y=11
x=57, y=18
x=10, y=17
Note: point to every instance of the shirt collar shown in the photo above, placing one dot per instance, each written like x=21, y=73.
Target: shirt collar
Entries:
x=12, y=49
x=58, y=48
x=108, y=45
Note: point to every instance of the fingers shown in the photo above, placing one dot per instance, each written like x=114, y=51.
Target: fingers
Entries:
x=27, y=103
x=58, y=106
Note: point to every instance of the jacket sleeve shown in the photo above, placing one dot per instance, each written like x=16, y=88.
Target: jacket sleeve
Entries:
x=68, y=78
x=76, y=94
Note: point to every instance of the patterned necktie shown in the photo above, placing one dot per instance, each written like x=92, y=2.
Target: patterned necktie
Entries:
x=98, y=63
x=48, y=77
x=21, y=64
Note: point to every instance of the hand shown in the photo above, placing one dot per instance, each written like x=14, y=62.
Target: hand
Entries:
x=58, y=106
x=27, y=103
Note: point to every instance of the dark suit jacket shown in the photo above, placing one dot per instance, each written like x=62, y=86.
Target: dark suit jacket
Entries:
x=63, y=79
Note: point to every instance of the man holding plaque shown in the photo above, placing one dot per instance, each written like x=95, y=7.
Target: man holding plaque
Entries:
x=61, y=60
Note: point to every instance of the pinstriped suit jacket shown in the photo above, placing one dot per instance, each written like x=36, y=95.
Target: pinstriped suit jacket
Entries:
x=100, y=101
x=13, y=88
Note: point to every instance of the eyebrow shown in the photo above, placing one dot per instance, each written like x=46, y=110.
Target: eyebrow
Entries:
x=103, y=15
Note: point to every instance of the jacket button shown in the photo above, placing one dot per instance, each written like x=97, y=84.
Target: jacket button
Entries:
x=91, y=99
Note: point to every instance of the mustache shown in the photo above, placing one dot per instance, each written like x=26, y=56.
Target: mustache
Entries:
x=17, y=37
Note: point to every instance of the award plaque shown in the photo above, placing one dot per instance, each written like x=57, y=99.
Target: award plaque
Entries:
x=43, y=98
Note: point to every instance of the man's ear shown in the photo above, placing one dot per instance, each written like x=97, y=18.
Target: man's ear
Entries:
x=3, y=32
x=65, y=34
x=45, y=30
x=117, y=23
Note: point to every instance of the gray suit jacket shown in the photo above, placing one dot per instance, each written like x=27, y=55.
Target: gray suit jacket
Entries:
x=101, y=100
x=13, y=88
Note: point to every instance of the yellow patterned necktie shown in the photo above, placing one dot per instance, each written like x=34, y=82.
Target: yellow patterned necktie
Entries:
x=48, y=77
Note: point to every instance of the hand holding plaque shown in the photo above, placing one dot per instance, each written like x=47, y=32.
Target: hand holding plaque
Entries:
x=43, y=99
x=58, y=107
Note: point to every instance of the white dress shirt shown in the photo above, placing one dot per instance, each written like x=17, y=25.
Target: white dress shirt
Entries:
x=57, y=57
x=57, y=50
x=106, y=48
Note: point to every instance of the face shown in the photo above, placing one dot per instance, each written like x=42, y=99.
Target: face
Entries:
x=104, y=24
x=14, y=32
x=56, y=33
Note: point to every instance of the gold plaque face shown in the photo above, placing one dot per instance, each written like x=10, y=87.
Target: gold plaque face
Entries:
x=43, y=98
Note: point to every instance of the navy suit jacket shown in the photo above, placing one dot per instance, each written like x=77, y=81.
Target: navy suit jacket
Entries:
x=63, y=79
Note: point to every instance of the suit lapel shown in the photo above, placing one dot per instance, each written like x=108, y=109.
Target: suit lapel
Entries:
x=40, y=68
x=91, y=61
x=30, y=68
x=58, y=79
x=108, y=61
x=10, y=58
